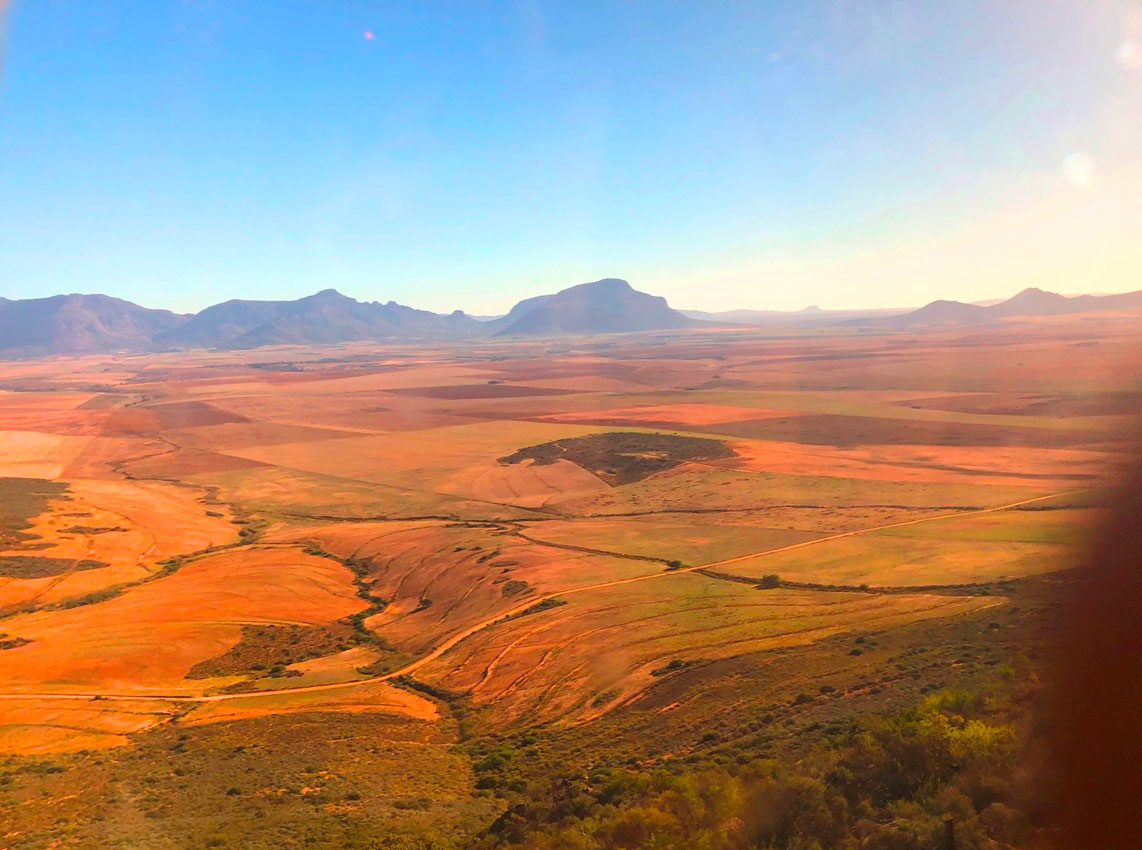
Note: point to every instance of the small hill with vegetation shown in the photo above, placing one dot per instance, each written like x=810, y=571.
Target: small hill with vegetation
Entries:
x=622, y=457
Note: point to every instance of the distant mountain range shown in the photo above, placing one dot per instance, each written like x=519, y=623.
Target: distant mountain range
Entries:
x=82, y=324
x=324, y=318
x=1028, y=303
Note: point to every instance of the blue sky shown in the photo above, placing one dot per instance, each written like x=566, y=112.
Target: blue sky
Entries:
x=762, y=155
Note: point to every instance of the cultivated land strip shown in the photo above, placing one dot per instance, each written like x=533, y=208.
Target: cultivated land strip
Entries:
x=465, y=633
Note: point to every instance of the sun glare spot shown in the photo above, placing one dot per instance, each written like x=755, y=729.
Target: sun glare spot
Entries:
x=1078, y=170
x=1130, y=55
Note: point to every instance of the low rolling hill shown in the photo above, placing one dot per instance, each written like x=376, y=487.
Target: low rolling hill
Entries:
x=1028, y=303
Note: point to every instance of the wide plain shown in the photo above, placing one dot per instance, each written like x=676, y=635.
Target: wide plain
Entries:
x=390, y=557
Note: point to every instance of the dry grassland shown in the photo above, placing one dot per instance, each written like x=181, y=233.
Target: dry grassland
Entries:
x=355, y=496
x=547, y=666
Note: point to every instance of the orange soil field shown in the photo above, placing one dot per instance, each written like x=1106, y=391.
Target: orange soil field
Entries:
x=1010, y=466
x=35, y=726
x=667, y=414
x=360, y=487
x=370, y=697
x=144, y=641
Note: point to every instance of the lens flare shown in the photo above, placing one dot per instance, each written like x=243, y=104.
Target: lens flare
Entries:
x=1078, y=170
x=1129, y=55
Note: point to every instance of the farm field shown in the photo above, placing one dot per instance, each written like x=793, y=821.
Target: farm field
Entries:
x=384, y=589
x=547, y=668
x=888, y=560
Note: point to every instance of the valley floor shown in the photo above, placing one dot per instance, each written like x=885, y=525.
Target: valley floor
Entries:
x=338, y=597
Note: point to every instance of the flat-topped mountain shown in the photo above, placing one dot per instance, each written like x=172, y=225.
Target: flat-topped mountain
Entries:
x=602, y=306
x=79, y=324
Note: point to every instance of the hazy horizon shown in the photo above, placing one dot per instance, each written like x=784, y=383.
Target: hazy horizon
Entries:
x=158, y=305
x=725, y=157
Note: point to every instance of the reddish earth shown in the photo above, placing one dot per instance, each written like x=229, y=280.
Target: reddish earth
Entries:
x=462, y=391
x=668, y=414
x=387, y=455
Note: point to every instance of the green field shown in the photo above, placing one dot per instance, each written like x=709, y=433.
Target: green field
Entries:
x=694, y=542
x=886, y=560
x=713, y=488
x=1069, y=527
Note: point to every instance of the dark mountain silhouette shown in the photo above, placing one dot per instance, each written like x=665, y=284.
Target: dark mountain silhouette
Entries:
x=521, y=309
x=603, y=306
x=323, y=318
x=1030, y=302
x=221, y=324
x=79, y=324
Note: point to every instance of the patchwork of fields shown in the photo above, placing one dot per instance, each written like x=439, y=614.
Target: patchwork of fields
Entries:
x=414, y=546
